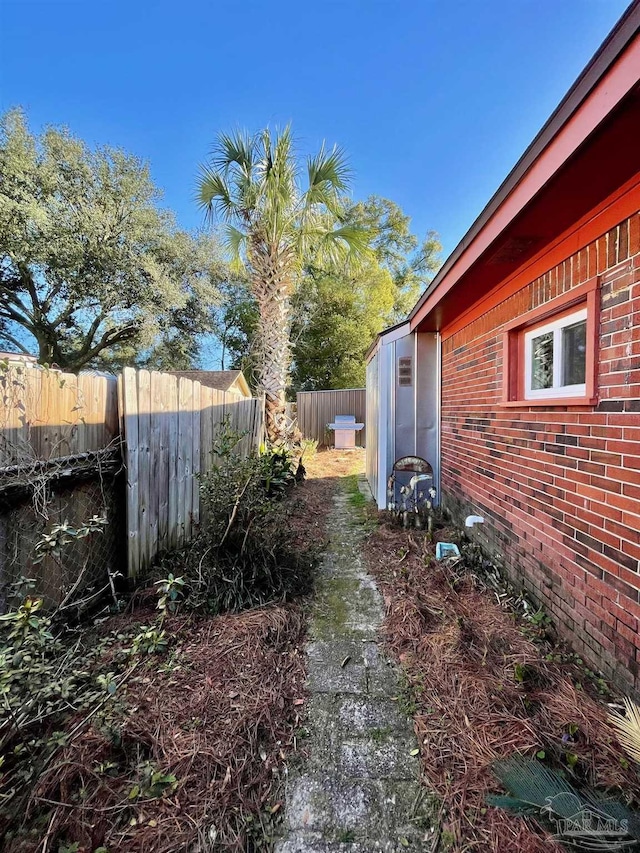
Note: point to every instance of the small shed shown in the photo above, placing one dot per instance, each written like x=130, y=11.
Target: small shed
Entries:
x=232, y=381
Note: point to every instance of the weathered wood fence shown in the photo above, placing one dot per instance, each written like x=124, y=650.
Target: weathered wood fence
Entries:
x=59, y=459
x=64, y=441
x=316, y=409
x=169, y=426
x=47, y=414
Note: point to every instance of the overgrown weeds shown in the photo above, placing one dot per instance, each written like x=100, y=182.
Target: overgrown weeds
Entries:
x=53, y=681
x=244, y=555
x=195, y=754
x=163, y=729
x=47, y=675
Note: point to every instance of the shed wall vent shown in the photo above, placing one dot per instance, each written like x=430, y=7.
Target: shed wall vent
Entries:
x=405, y=371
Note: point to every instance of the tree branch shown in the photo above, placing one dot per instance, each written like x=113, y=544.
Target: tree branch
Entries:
x=51, y=295
x=5, y=336
x=90, y=335
x=108, y=339
x=27, y=280
x=9, y=298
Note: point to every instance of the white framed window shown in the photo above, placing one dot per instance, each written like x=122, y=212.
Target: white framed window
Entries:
x=555, y=358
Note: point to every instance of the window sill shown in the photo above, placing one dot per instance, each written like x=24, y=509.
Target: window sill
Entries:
x=549, y=401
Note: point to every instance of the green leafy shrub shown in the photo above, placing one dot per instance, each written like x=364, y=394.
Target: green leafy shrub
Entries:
x=153, y=782
x=244, y=555
x=170, y=591
x=277, y=470
x=149, y=641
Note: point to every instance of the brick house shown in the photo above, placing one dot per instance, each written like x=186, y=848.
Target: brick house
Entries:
x=517, y=373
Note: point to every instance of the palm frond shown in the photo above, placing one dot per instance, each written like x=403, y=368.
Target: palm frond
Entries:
x=356, y=239
x=235, y=148
x=328, y=175
x=627, y=728
x=328, y=169
x=535, y=786
x=346, y=246
x=266, y=150
x=511, y=804
x=279, y=191
x=236, y=240
x=214, y=194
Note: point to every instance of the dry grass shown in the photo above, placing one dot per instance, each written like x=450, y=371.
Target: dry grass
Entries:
x=483, y=689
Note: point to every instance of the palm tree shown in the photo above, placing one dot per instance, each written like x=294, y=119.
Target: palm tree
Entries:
x=273, y=224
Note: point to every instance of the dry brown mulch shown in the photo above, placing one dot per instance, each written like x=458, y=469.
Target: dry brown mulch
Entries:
x=483, y=690
x=219, y=712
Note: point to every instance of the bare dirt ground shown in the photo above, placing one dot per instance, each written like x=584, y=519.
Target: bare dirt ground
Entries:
x=326, y=469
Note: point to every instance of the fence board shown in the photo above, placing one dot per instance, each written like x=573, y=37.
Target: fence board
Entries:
x=184, y=386
x=316, y=409
x=46, y=413
x=157, y=472
x=195, y=456
x=130, y=399
x=144, y=466
x=171, y=387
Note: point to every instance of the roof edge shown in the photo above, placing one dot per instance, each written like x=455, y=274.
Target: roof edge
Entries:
x=626, y=28
x=389, y=331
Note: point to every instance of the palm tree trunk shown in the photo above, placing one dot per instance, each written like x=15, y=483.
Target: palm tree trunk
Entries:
x=271, y=281
x=273, y=356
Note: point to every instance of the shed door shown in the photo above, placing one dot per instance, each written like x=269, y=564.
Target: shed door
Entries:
x=416, y=396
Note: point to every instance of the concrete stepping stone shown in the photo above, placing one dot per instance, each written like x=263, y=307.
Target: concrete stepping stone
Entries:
x=358, y=788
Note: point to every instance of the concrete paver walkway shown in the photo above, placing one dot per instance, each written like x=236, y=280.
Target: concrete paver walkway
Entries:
x=359, y=789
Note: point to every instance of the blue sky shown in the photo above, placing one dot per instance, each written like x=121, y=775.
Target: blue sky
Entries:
x=434, y=100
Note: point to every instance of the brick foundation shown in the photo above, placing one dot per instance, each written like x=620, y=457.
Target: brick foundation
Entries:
x=559, y=486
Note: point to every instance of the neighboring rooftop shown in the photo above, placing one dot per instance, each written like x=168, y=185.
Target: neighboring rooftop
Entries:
x=221, y=380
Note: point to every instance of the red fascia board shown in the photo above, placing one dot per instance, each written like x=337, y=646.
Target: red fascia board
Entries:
x=620, y=79
x=613, y=210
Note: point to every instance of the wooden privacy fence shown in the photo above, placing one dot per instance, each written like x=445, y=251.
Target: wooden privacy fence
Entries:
x=47, y=414
x=316, y=409
x=169, y=426
x=59, y=458
x=62, y=457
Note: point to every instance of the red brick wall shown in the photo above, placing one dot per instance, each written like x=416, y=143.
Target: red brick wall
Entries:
x=559, y=486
